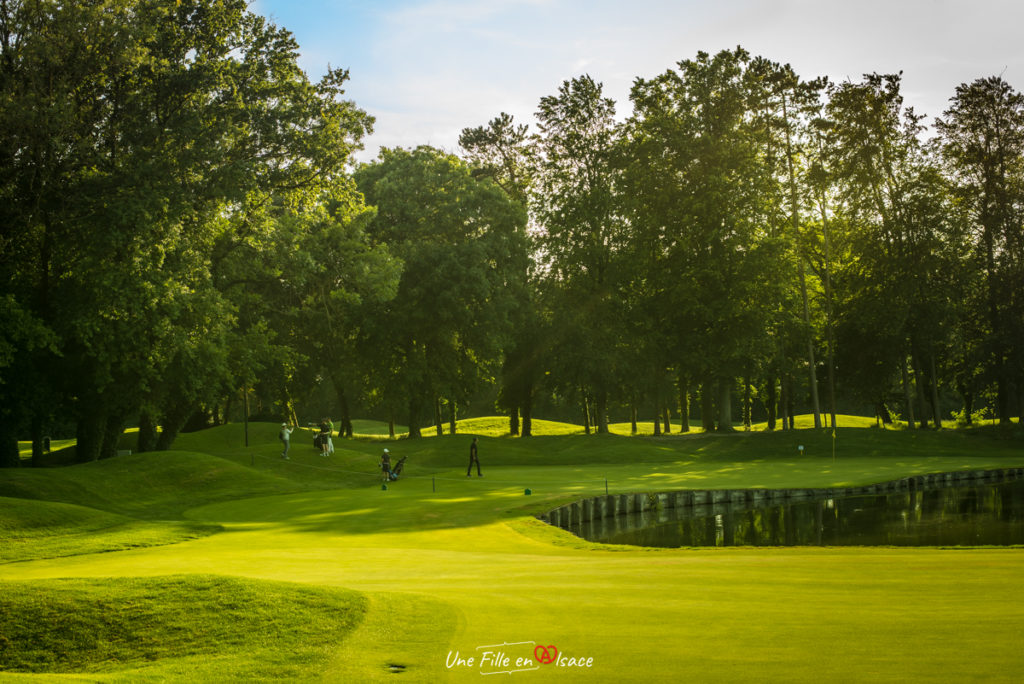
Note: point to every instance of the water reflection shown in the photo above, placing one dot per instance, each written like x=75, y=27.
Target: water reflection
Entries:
x=966, y=515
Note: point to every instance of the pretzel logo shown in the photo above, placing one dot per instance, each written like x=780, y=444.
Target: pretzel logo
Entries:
x=545, y=654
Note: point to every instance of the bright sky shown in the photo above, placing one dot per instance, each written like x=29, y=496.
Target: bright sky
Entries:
x=426, y=69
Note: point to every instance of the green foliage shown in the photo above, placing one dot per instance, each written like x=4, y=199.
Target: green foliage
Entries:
x=142, y=143
x=462, y=243
x=501, y=151
x=982, y=140
x=581, y=240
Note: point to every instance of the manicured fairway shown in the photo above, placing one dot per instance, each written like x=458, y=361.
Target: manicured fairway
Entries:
x=454, y=568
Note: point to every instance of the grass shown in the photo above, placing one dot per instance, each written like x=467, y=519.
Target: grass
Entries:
x=38, y=529
x=440, y=564
x=195, y=627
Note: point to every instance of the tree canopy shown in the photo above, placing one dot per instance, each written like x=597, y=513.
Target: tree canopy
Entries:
x=183, y=229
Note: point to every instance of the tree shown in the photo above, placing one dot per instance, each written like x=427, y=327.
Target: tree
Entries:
x=140, y=143
x=982, y=137
x=581, y=233
x=331, y=278
x=462, y=242
x=502, y=151
x=896, y=204
x=705, y=205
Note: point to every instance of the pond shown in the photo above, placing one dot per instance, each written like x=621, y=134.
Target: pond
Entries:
x=964, y=514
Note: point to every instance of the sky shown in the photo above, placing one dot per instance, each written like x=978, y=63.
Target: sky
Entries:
x=426, y=69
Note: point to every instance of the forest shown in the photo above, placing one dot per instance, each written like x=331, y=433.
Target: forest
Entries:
x=185, y=234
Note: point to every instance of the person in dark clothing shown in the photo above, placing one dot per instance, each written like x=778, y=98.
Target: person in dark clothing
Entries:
x=325, y=440
x=385, y=464
x=473, y=458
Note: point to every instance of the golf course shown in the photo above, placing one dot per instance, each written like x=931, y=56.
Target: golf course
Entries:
x=221, y=562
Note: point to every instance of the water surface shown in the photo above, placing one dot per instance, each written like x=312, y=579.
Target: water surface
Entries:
x=973, y=514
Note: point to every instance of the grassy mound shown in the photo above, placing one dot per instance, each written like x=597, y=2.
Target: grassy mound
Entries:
x=205, y=628
x=38, y=529
x=159, y=485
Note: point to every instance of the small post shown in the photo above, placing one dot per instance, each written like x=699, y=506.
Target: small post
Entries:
x=433, y=484
x=606, y=486
x=245, y=402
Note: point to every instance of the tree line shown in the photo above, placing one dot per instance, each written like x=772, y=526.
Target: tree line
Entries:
x=183, y=227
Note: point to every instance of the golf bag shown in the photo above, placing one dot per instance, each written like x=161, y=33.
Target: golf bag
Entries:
x=397, y=470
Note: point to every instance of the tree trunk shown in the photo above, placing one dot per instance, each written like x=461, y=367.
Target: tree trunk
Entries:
x=147, y=433
x=9, y=455
x=771, y=402
x=586, y=414
x=172, y=422
x=513, y=421
x=527, y=416
x=37, y=441
x=601, y=406
x=968, y=399
x=784, y=400
x=345, y=421
x=632, y=419
x=935, y=394
x=747, y=421
x=919, y=390
x=89, y=432
x=829, y=337
x=725, y=405
x=907, y=397
x=657, y=418
x=414, y=418
x=668, y=420
x=794, y=204
x=391, y=427
x=437, y=416
x=832, y=388
x=813, y=379
x=790, y=403
x=453, y=411
x=684, y=404
x=112, y=432
x=707, y=406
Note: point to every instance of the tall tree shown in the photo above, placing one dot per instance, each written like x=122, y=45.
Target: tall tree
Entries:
x=893, y=198
x=462, y=242
x=503, y=151
x=141, y=141
x=982, y=135
x=694, y=125
x=581, y=234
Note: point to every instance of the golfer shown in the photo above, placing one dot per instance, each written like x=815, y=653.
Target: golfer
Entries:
x=473, y=459
x=385, y=464
x=325, y=440
x=286, y=436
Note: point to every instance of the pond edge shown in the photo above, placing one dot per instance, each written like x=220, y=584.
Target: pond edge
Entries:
x=611, y=505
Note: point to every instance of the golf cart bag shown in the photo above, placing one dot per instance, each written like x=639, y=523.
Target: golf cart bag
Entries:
x=397, y=470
